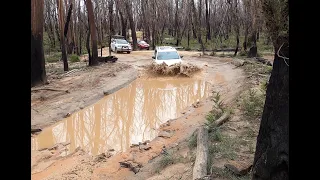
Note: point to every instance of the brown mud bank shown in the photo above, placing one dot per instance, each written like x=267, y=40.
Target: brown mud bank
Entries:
x=74, y=90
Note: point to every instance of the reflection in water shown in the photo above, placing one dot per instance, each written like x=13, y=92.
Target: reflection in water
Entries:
x=130, y=115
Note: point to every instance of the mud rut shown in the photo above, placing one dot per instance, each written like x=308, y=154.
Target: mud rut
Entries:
x=218, y=72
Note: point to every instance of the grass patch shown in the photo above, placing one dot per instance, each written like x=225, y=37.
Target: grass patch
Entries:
x=252, y=104
x=192, y=143
x=166, y=160
x=216, y=135
x=53, y=57
x=225, y=173
x=226, y=148
x=73, y=58
x=217, y=110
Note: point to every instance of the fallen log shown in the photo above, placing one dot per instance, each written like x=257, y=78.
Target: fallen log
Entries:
x=35, y=130
x=200, y=165
x=50, y=89
x=222, y=119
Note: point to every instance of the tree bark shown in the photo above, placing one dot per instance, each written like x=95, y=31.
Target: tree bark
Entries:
x=237, y=26
x=271, y=159
x=38, y=71
x=128, y=6
x=62, y=37
x=93, y=32
x=253, y=51
x=88, y=46
x=110, y=8
x=208, y=21
x=200, y=165
x=176, y=27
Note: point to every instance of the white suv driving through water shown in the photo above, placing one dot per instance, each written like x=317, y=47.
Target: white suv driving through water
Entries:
x=167, y=55
x=120, y=45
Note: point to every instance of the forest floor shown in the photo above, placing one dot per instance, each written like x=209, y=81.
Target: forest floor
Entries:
x=83, y=86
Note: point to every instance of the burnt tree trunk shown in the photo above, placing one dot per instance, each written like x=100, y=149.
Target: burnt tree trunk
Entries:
x=208, y=21
x=253, y=51
x=188, y=38
x=237, y=26
x=62, y=37
x=38, y=71
x=110, y=8
x=80, y=30
x=194, y=31
x=132, y=25
x=123, y=25
x=271, y=159
x=66, y=28
x=176, y=26
x=111, y=28
x=93, y=32
x=88, y=46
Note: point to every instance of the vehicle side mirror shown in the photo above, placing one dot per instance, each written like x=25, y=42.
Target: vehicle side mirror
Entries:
x=181, y=56
x=153, y=57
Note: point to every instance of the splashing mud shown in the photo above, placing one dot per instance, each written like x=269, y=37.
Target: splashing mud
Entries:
x=129, y=116
x=176, y=69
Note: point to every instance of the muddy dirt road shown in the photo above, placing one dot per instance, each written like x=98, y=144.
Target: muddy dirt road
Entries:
x=101, y=131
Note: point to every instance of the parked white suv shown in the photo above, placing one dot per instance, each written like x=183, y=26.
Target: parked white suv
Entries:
x=120, y=45
x=167, y=55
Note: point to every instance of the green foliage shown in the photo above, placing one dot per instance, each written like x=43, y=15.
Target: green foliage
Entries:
x=167, y=159
x=53, y=57
x=192, y=143
x=73, y=58
x=252, y=104
x=217, y=110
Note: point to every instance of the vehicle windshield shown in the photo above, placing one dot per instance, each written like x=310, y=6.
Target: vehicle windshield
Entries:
x=121, y=41
x=168, y=55
x=142, y=42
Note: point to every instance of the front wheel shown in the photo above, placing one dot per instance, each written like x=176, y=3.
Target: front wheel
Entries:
x=129, y=52
x=115, y=50
x=147, y=48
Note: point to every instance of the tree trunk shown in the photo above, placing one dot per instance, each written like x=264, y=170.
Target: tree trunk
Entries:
x=200, y=165
x=38, y=71
x=110, y=8
x=176, y=27
x=57, y=27
x=208, y=21
x=111, y=28
x=123, y=25
x=88, y=46
x=66, y=28
x=80, y=27
x=188, y=38
x=237, y=26
x=62, y=37
x=93, y=32
x=271, y=159
x=132, y=25
x=253, y=51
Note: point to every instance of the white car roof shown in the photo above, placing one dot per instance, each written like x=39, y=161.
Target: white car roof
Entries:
x=165, y=48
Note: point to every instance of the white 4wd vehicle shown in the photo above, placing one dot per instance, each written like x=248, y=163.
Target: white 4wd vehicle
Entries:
x=167, y=55
x=120, y=45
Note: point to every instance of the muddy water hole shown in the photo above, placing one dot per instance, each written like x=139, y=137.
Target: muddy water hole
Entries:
x=117, y=124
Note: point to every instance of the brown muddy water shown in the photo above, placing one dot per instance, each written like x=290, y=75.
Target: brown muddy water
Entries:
x=129, y=116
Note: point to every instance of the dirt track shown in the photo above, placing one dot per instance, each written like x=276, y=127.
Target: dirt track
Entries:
x=86, y=88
